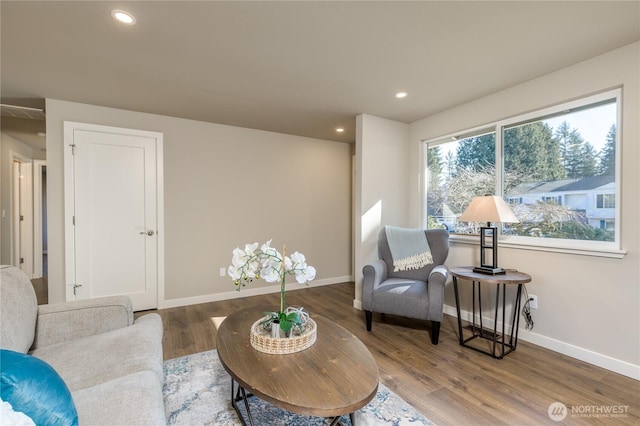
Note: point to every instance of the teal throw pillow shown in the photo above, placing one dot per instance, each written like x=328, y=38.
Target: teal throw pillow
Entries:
x=34, y=388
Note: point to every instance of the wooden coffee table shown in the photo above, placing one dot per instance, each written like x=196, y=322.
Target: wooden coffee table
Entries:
x=336, y=376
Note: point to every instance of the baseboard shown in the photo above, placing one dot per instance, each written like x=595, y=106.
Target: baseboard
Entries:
x=246, y=292
x=586, y=355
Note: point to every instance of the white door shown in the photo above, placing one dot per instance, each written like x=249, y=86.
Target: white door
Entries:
x=112, y=237
x=22, y=215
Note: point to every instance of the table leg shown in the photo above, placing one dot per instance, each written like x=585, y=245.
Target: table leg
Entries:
x=495, y=321
x=513, y=341
x=238, y=396
x=479, y=306
x=504, y=312
x=336, y=421
x=455, y=290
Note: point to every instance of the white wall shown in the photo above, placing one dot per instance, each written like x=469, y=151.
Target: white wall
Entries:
x=588, y=306
x=224, y=186
x=382, y=182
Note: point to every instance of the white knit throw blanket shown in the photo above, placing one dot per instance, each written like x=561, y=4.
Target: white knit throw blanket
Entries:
x=409, y=248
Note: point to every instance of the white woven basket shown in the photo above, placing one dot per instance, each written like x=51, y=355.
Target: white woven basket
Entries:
x=262, y=341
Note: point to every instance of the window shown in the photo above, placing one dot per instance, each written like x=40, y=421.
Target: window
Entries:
x=607, y=224
x=555, y=199
x=606, y=201
x=556, y=168
x=514, y=200
x=457, y=170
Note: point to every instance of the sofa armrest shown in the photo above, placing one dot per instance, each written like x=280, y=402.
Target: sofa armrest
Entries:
x=435, y=288
x=372, y=275
x=62, y=322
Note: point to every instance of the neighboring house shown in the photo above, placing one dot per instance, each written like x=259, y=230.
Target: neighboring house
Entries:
x=593, y=197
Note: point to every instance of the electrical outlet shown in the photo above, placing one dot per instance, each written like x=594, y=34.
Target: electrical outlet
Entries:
x=533, y=301
x=223, y=272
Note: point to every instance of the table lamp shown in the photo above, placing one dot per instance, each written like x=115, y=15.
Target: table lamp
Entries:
x=488, y=208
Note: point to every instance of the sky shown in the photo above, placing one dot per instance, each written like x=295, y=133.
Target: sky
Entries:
x=593, y=125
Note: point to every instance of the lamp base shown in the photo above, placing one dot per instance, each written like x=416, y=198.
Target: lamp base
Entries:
x=489, y=270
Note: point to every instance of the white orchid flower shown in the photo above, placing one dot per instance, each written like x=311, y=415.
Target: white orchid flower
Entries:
x=266, y=247
x=288, y=264
x=233, y=273
x=298, y=258
x=250, y=249
x=239, y=258
x=305, y=275
x=267, y=263
x=271, y=272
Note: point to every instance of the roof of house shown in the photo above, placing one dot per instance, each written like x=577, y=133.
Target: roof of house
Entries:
x=586, y=183
x=563, y=185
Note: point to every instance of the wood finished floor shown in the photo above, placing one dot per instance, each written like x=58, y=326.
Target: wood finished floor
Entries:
x=449, y=384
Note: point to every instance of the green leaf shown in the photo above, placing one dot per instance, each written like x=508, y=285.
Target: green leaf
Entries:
x=286, y=325
x=294, y=317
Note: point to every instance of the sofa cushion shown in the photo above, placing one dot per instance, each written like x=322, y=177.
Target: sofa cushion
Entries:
x=92, y=360
x=135, y=399
x=18, y=310
x=34, y=388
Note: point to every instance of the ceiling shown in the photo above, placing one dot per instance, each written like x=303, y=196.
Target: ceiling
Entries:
x=295, y=67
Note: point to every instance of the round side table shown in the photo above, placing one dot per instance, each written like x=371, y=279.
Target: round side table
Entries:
x=502, y=343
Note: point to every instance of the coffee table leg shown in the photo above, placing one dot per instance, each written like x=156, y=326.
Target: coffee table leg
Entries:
x=241, y=395
x=238, y=396
x=337, y=422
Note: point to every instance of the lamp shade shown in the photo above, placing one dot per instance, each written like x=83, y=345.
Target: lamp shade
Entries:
x=488, y=208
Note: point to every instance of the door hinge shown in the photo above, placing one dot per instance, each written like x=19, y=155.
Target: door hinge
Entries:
x=21, y=218
x=21, y=260
x=73, y=148
x=73, y=220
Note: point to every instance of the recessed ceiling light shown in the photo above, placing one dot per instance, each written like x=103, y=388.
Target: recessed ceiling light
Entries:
x=339, y=130
x=401, y=95
x=123, y=17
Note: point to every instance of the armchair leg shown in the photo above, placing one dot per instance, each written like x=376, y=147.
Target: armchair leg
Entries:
x=368, y=316
x=435, y=332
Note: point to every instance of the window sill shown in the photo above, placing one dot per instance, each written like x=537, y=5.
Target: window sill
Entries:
x=548, y=246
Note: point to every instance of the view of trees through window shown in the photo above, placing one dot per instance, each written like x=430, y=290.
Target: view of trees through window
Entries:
x=557, y=173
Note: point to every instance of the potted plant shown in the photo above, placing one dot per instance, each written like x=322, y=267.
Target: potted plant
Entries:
x=269, y=264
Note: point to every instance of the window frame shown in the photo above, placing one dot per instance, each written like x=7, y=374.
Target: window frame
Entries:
x=583, y=247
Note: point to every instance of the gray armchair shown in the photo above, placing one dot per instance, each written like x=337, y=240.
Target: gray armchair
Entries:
x=414, y=293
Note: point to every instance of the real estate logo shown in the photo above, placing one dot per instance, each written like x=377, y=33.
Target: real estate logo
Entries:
x=557, y=411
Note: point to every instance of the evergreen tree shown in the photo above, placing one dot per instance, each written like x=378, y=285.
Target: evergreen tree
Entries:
x=607, y=164
x=579, y=157
x=476, y=153
x=589, y=160
x=434, y=191
x=565, y=137
x=434, y=166
x=531, y=151
x=450, y=161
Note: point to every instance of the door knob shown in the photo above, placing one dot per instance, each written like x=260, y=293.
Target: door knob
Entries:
x=149, y=233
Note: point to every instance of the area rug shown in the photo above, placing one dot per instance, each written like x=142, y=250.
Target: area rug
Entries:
x=197, y=391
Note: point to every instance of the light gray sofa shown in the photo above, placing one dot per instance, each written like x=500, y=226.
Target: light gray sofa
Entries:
x=111, y=364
